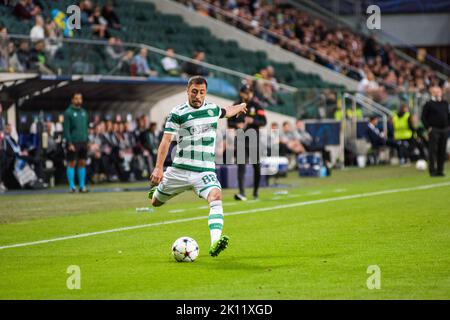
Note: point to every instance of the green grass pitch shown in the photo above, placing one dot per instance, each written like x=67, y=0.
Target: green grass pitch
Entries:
x=285, y=246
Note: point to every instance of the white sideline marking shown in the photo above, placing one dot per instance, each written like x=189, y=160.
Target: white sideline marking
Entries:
x=274, y=208
x=177, y=210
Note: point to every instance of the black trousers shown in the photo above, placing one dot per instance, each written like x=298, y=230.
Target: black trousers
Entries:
x=256, y=178
x=437, y=149
x=2, y=164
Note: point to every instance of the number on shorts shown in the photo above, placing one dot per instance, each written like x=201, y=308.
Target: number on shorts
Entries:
x=209, y=178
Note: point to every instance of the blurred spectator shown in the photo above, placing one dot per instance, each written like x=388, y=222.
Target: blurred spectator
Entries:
x=38, y=31
x=289, y=141
x=93, y=17
x=403, y=132
x=14, y=152
x=377, y=138
x=87, y=9
x=141, y=63
x=266, y=86
x=4, y=48
x=26, y=9
x=53, y=38
x=20, y=58
x=436, y=119
x=114, y=50
x=99, y=23
x=126, y=64
x=170, y=64
x=311, y=144
x=110, y=16
x=38, y=59
x=2, y=149
x=194, y=69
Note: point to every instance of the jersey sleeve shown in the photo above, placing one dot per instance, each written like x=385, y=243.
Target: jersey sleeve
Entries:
x=172, y=123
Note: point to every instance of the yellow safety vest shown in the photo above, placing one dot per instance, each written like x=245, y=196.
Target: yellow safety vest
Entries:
x=349, y=112
x=338, y=115
x=401, y=127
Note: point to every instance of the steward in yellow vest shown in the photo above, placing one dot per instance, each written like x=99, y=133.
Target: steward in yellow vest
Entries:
x=403, y=128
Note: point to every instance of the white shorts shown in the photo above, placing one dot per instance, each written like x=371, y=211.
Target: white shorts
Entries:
x=176, y=181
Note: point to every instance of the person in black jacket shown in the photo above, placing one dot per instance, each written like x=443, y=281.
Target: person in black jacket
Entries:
x=254, y=119
x=436, y=119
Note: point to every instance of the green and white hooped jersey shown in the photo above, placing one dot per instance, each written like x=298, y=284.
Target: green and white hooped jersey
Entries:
x=195, y=131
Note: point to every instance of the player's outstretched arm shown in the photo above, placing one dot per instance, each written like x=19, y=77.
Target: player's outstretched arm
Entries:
x=163, y=149
x=232, y=111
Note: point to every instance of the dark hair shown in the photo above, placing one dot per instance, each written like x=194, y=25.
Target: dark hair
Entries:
x=76, y=93
x=197, y=80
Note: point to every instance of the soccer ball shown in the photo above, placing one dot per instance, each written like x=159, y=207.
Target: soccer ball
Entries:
x=421, y=165
x=185, y=249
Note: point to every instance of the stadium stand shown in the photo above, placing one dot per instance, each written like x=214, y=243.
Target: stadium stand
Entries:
x=378, y=67
x=141, y=23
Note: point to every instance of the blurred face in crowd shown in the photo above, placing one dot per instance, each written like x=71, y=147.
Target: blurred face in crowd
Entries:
x=286, y=127
x=40, y=46
x=109, y=126
x=274, y=126
x=8, y=129
x=77, y=100
x=170, y=53
x=121, y=127
x=39, y=21
x=143, y=53
x=49, y=126
x=97, y=11
x=100, y=127
x=436, y=92
x=109, y=7
x=197, y=95
x=300, y=125
x=3, y=32
x=246, y=95
x=24, y=46
x=200, y=56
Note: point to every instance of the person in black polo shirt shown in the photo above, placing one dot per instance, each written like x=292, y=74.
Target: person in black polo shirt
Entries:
x=254, y=119
x=436, y=119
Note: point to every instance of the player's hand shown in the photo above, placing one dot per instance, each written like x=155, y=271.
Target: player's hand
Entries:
x=156, y=176
x=242, y=108
x=71, y=147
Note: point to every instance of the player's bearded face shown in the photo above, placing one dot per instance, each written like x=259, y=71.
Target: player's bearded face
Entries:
x=197, y=95
x=77, y=100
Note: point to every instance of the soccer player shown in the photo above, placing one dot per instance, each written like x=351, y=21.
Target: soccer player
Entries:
x=194, y=124
x=76, y=135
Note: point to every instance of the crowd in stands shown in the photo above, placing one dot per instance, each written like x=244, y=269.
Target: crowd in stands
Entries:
x=119, y=149
x=38, y=55
x=375, y=65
